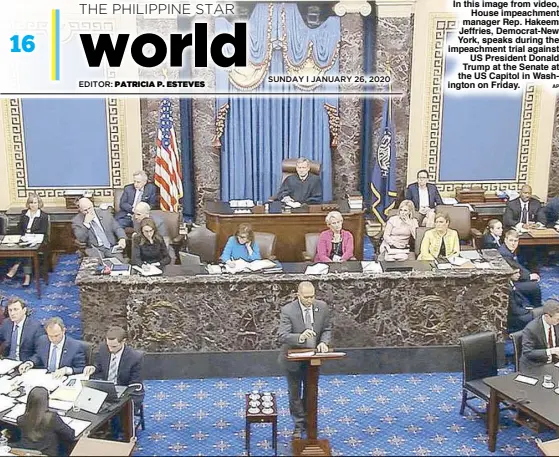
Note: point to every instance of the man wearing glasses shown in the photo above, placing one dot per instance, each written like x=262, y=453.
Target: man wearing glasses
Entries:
x=424, y=195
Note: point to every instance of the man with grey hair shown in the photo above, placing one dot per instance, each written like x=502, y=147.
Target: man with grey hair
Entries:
x=143, y=211
x=304, y=323
x=540, y=338
x=302, y=187
x=139, y=191
x=98, y=230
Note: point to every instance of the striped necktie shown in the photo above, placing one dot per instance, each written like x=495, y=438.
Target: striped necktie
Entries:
x=113, y=370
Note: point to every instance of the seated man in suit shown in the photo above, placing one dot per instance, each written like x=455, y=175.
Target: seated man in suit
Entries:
x=99, y=230
x=540, y=338
x=523, y=210
x=303, y=187
x=143, y=211
x=119, y=363
x=424, y=195
x=520, y=311
x=20, y=333
x=139, y=191
x=528, y=284
x=58, y=353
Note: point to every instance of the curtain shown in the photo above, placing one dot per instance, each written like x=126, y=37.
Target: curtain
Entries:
x=256, y=133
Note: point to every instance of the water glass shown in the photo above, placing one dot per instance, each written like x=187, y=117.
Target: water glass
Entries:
x=4, y=448
x=547, y=379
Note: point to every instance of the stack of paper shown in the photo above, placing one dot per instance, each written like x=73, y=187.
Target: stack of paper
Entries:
x=39, y=377
x=7, y=365
x=371, y=267
x=6, y=403
x=77, y=425
x=317, y=269
x=16, y=411
x=11, y=239
x=151, y=270
x=293, y=204
x=241, y=265
x=297, y=355
x=32, y=238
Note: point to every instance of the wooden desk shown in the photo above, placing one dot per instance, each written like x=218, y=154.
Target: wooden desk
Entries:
x=484, y=212
x=9, y=251
x=61, y=235
x=289, y=228
x=552, y=238
x=535, y=401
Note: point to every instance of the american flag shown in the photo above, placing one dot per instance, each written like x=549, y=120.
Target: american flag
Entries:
x=168, y=176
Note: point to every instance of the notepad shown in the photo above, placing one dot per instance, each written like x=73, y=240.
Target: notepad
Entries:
x=151, y=271
x=317, y=269
x=526, y=380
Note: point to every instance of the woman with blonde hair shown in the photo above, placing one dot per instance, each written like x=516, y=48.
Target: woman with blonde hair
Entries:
x=398, y=231
x=33, y=221
x=241, y=246
x=334, y=244
x=440, y=241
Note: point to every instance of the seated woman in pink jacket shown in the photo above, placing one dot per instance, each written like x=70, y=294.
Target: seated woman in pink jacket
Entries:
x=335, y=244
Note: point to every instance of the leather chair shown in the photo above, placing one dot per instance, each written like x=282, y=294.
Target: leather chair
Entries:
x=289, y=167
x=117, y=196
x=267, y=244
x=3, y=224
x=89, y=349
x=174, y=239
x=202, y=242
x=516, y=338
x=479, y=360
x=460, y=220
x=311, y=243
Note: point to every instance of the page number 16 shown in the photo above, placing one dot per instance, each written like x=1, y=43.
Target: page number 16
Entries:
x=27, y=44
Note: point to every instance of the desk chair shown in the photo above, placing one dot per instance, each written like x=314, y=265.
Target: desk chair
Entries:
x=516, y=338
x=267, y=244
x=289, y=167
x=479, y=360
x=311, y=243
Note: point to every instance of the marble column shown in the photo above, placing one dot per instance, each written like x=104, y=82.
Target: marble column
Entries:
x=394, y=55
x=553, y=188
x=346, y=157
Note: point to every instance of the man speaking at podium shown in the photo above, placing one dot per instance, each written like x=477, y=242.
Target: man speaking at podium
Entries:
x=303, y=323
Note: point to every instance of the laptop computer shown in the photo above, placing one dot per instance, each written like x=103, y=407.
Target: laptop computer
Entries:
x=189, y=259
x=113, y=392
x=90, y=400
x=396, y=266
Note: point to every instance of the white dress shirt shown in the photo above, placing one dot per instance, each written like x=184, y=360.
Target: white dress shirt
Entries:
x=19, y=334
x=117, y=356
x=546, y=328
x=59, y=349
x=303, y=310
x=423, y=197
x=31, y=219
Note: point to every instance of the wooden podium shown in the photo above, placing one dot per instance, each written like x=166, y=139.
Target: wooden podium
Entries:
x=312, y=445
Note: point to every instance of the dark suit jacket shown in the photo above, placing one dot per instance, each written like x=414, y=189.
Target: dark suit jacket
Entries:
x=32, y=331
x=534, y=345
x=111, y=227
x=129, y=369
x=412, y=193
x=292, y=325
x=40, y=224
x=505, y=252
x=49, y=445
x=513, y=212
x=488, y=242
x=73, y=354
x=518, y=316
x=149, y=196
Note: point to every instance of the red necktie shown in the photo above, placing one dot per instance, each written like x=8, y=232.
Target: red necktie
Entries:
x=550, y=337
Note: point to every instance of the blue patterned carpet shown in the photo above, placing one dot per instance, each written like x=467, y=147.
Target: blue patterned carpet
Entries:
x=411, y=414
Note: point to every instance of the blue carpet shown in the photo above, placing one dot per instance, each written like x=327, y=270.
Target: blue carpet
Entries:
x=360, y=415
x=59, y=298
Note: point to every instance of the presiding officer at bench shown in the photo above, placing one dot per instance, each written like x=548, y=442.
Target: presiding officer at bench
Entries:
x=303, y=187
